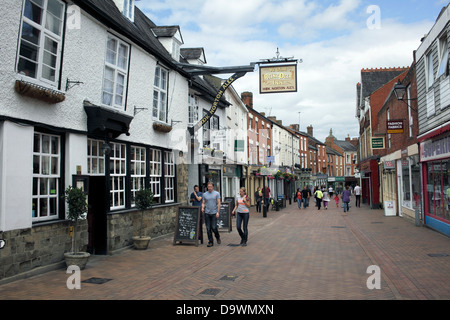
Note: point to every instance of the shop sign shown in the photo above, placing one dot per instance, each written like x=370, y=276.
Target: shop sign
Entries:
x=276, y=79
x=377, y=143
x=432, y=150
x=395, y=126
x=389, y=164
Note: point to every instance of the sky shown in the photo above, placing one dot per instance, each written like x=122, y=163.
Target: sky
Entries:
x=333, y=41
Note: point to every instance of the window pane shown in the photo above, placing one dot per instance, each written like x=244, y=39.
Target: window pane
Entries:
x=27, y=68
x=30, y=34
x=123, y=56
x=53, y=23
x=33, y=10
x=55, y=8
x=446, y=182
x=111, y=51
x=48, y=73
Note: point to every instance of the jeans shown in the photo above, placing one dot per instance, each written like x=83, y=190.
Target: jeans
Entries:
x=305, y=202
x=258, y=205
x=211, y=226
x=358, y=201
x=267, y=203
x=242, y=217
x=299, y=202
x=346, y=207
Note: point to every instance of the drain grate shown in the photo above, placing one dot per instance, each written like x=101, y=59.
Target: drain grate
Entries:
x=233, y=245
x=377, y=222
x=210, y=292
x=97, y=280
x=338, y=227
x=228, y=278
x=438, y=255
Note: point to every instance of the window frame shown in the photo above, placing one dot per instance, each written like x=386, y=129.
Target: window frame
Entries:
x=37, y=177
x=117, y=71
x=160, y=94
x=44, y=34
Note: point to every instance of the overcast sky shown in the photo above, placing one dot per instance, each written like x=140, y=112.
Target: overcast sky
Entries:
x=335, y=40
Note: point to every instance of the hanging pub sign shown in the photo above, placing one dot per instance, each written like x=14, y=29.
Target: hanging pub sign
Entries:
x=215, y=104
x=394, y=126
x=278, y=78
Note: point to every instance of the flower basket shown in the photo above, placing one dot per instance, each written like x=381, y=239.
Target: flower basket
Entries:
x=162, y=127
x=34, y=91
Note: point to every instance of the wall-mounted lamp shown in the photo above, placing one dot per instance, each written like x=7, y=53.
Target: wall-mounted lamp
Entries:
x=400, y=92
x=105, y=149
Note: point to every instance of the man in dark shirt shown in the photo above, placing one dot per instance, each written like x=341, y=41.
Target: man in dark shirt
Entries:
x=306, y=193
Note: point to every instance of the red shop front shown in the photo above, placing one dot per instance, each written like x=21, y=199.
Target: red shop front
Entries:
x=370, y=182
x=435, y=160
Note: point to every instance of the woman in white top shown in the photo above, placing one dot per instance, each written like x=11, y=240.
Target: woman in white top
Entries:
x=243, y=214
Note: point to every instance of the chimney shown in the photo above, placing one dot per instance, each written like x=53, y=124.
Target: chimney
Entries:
x=348, y=139
x=310, y=131
x=263, y=114
x=295, y=127
x=247, y=99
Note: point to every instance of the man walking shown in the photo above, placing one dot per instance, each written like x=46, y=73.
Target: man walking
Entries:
x=306, y=193
x=357, y=191
x=211, y=207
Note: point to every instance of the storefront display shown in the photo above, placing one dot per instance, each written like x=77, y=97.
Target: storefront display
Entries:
x=435, y=159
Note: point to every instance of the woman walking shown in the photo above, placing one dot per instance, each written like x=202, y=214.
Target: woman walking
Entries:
x=346, y=199
x=258, y=198
x=325, y=199
x=299, y=198
x=243, y=215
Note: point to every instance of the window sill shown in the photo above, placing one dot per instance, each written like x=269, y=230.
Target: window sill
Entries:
x=166, y=205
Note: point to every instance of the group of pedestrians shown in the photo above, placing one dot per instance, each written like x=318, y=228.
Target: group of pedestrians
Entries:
x=322, y=195
x=210, y=205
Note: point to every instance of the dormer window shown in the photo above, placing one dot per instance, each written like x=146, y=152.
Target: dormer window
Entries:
x=128, y=9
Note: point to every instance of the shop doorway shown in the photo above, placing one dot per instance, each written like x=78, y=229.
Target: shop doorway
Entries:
x=97, y=226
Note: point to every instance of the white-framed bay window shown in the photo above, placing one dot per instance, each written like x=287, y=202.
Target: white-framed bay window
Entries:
x=137, y=170
x=160, y=85
x=118, y=173
x=46, y=176
x=95, y=157
x=115, y=72
x=169, y=176
x=155, y=167
x=193, y=109
x=40, y=41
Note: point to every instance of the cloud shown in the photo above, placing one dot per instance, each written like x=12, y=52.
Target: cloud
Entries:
x=332, y=39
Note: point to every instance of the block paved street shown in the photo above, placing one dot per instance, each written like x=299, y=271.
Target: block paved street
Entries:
x=291, y=255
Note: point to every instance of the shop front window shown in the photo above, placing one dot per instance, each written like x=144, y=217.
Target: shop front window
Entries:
x=406, y=192
x=438, y=189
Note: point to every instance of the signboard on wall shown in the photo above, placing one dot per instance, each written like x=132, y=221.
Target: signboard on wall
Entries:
x=394, y=126
x=278, y=78
x=377, y=143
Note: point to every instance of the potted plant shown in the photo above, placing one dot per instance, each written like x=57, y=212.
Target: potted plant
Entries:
x=77, y=209
x=143, y=200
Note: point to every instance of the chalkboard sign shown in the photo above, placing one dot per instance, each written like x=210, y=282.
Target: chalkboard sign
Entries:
x=187, y=225
x=224, y=220
x=233, y=202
